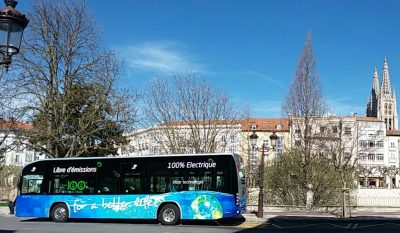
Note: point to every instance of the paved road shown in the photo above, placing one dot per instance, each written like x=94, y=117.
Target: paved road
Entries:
x=14, y=225
x=277, y=224
x=327, y=225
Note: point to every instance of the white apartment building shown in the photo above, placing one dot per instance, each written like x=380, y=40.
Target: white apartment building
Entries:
x=365, y=142
x=154, y=140
x=17, y=153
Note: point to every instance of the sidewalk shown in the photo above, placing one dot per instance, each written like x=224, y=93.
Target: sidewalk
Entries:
x=367, y=213
x=364, y=213
x=4, y=211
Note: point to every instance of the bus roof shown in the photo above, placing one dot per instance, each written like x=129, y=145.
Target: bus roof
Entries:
x=126, y=157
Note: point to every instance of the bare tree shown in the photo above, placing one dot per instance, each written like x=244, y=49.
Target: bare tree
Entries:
x=189, y=115
x=9, y=115
x=303, y=103
x=339, y=143
x=69, y=83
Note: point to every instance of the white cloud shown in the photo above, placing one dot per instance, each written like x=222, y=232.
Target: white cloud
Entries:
x=160, y=57
x=264, y=77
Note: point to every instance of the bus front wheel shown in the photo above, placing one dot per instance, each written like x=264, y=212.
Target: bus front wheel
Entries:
x=60, y=213
x=169, y=214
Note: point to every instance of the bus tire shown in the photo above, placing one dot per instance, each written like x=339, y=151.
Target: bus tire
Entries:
x=60, y=213
x=169, y=214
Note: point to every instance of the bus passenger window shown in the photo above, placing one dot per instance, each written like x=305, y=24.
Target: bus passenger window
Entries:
x=107, y=185
x=222, y=181
x=133, y=184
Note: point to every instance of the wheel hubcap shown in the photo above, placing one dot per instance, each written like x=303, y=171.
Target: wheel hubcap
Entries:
x=169, y=215
x=60, y=213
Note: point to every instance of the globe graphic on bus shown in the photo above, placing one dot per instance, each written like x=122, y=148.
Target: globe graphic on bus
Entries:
x=206, y=207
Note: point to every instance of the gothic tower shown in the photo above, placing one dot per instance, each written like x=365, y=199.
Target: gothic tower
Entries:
x=372, y=106
x=382, y=103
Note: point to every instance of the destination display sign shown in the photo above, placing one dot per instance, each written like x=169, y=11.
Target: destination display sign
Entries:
x=192, y=165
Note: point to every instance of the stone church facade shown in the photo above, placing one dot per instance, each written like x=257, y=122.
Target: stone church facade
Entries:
x=382, y=100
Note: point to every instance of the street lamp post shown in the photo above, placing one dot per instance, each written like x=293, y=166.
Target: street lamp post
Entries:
x=264, y=148
x=12, y=25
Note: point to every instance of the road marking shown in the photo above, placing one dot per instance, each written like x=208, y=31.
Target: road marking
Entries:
x=314, y=224
x=252, y=224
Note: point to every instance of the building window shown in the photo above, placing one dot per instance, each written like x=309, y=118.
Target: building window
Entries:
x=392, y=145
x=233, y=138
x=362, y=157
x=363, y=143
x=379, y=144
x=347, y=131
x=28, y=158
x=371, y=157
x=279, y=143
x=322, y=129
x=379, y=133
x=278, y=127
x=17, y=158
x=19, y=147
x=223, y=139
x=253, y=127
x=266, y=143
x=379, y=157
x=371, y=144
x=392, y=157
x=334, y=129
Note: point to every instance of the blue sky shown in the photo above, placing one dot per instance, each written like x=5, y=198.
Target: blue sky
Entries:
x=250, y=49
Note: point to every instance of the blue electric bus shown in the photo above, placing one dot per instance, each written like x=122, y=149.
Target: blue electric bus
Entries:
x=169, y=188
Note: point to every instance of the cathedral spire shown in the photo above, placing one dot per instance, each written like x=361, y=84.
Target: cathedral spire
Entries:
x=375, y=85
x=372, y=104
x=385, y=88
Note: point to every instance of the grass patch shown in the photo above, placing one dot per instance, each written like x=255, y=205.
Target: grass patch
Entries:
x=3, y=203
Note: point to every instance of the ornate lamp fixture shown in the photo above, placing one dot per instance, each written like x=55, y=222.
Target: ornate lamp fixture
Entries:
x=12, y=25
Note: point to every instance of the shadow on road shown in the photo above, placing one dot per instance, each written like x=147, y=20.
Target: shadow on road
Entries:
x=301, y=224
x=236, y=221
x=224, y=222
x=88, y=220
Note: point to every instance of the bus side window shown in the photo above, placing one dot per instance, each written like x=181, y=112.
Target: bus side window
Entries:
x=134, y=178
x=108, y=179
x=222, y=182
x=107, y=185
x=133, y=184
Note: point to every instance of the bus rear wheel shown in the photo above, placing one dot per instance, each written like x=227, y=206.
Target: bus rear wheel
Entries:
x=169, y=214
x=59, y=213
